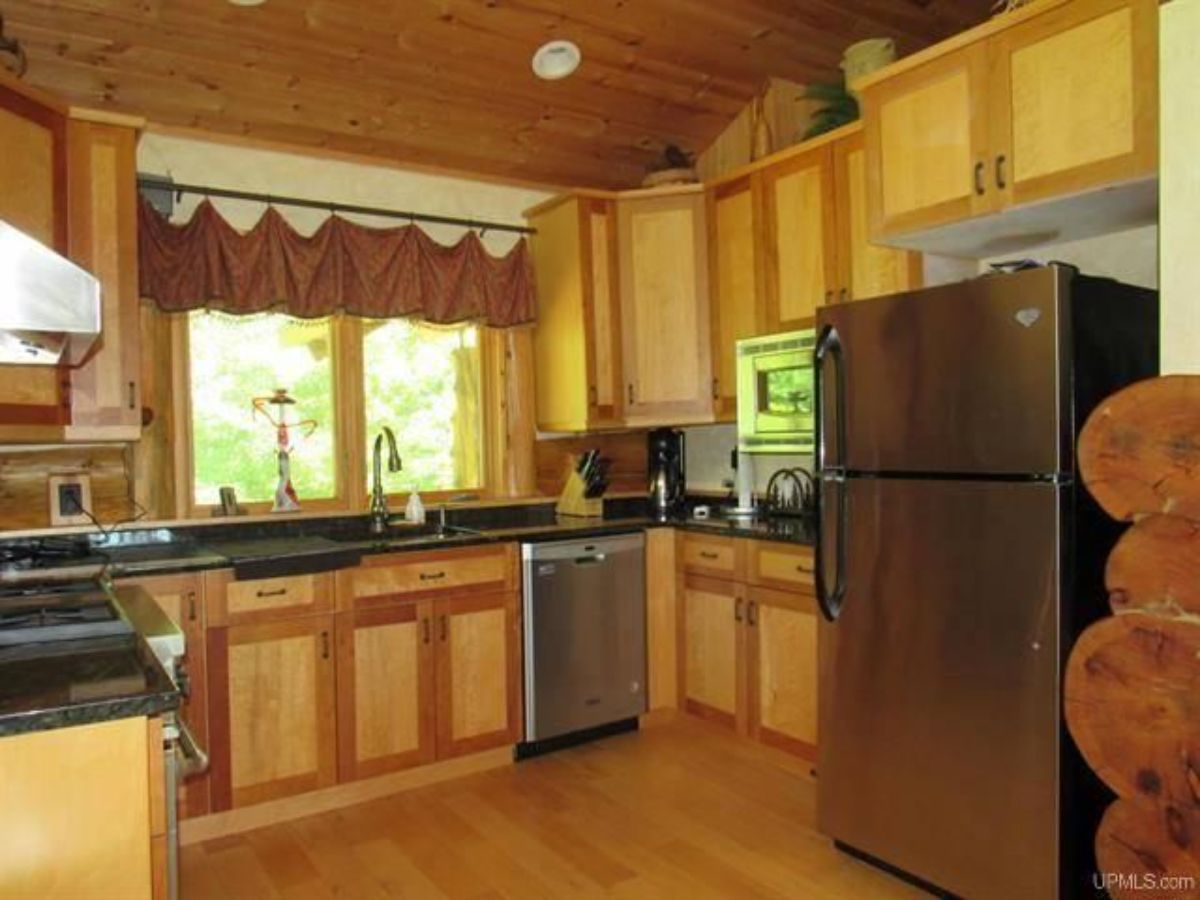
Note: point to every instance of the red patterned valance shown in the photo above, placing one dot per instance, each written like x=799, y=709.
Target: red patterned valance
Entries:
x=342, y=267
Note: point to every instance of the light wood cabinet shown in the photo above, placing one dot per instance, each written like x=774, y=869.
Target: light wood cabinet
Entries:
x=665, y=324
x=865, y=269
x=714, y=649
x=272, y=715
x=736, y=261
x=102, y=166
x=181, y=597
x=578, y=333
x=34, y=400
x=386, y=698
x=478, y=673
x=749, y=638
x=232, y=602
x=1054, y=103
x=800, y=237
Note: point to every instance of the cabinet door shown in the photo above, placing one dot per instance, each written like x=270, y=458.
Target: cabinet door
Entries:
x=601, y=312
x=385, y=682
x=782, y=669
x=801, y=261
x=665, y=309
x=1075, y=99
x=927, y=142
x=181, y=598
x=713, y=649
x=271, y=714
x=734, y=221
x=33, y=197
x=865, y=269
x=105, y=403
x=478, y=673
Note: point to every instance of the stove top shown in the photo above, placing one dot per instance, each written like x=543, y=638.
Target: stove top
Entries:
x=66, y=614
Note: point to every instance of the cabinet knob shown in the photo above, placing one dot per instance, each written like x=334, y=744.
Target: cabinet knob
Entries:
x=980, y=187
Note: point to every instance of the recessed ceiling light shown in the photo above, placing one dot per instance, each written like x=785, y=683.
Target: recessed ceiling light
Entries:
x=556, y=60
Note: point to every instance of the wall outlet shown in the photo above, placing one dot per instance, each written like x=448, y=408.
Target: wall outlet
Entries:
x=70, y=499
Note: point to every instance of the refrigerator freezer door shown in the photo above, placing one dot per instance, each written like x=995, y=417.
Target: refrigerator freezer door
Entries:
x=938, y=707
x=967, y=378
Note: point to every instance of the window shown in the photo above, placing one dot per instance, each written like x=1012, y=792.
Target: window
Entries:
x=237, y=358
x=422, y=381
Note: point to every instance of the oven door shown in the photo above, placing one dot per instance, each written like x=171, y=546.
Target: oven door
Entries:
x=775, y=400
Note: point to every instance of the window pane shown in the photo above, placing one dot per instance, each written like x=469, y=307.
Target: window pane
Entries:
x=424, y=383
x=237, y=358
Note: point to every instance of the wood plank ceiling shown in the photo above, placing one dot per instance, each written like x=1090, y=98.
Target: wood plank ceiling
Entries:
x=447, y=83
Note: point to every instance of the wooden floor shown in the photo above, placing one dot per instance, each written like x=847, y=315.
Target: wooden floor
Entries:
x=678, y=810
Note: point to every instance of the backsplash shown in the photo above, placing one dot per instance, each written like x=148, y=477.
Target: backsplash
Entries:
x=708, y=459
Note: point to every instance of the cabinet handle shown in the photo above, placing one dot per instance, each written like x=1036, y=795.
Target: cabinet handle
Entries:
x=752, y=614
x=432, y=576
x=843, y=295
x=716, y=389
x=324, y=645
x=737, y=610
x=593, y=395
x=133, y=395
x=804, y=570
x=979, y=185
x=829, y=298
x=445, y=630
x=631, y=395
x=1001, y=179
x=191, y=597
x=425, y=629
x=707, y=554
x=276, y=593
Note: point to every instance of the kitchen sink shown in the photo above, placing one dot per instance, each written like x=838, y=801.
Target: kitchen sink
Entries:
x=407, y=535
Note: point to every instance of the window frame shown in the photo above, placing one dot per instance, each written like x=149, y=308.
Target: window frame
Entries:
x=351, y=493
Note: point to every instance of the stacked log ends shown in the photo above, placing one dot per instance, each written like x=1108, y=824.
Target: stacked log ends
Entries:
x=1133, y=680
x=1141, y=446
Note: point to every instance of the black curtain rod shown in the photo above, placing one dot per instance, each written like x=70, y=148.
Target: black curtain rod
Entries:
x=158, y=184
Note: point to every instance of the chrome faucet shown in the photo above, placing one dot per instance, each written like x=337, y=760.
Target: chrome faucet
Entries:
x=379, y=506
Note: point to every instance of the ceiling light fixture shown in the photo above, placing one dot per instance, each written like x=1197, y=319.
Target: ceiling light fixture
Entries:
x=556, y=60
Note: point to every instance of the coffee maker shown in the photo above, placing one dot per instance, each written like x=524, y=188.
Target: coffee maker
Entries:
x=667, y=468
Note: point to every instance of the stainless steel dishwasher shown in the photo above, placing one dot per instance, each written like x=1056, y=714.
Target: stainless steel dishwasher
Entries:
x=585, y=638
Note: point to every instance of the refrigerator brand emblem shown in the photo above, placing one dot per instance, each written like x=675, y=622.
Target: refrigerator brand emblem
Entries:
x=1028, y=316
x=547, y=569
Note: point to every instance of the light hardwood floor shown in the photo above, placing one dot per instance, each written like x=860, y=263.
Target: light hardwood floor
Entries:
x=680, y=809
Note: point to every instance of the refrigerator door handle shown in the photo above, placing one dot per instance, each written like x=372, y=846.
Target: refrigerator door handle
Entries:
x=829, y=347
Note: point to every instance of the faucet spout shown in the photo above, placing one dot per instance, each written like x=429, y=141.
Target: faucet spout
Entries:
x=379, y=505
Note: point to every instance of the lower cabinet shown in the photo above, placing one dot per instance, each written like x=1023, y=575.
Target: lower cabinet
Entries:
x=272, y=717
x=749, y=634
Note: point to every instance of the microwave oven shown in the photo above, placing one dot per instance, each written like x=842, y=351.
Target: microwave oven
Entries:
x=775, y=393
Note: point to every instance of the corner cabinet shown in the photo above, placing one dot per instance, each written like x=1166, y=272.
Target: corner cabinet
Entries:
x=1047, y=115
x=665, y=325
x=577, y=336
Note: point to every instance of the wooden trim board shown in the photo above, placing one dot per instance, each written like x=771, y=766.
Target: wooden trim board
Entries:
x=236, y=821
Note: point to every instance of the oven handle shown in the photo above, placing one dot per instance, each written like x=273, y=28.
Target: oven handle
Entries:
x=193, y=759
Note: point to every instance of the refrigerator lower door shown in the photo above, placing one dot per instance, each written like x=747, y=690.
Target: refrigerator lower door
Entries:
x=939, y=706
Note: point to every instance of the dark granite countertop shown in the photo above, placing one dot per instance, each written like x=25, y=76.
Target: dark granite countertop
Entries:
x=46, y=686
x=255, y=545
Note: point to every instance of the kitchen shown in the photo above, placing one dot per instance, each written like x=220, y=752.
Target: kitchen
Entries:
x=592, y=452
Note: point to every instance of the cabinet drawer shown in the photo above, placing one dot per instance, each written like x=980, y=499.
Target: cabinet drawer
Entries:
x=782, y=566
x=265, y=599
x=387, y=579
x=706, y=555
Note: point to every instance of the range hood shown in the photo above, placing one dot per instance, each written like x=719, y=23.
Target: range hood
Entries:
x=49, y=307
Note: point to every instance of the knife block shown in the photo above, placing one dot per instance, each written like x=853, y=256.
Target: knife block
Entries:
x=571, y=501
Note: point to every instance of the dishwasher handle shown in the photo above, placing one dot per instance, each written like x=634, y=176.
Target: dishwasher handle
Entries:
x=594, y=559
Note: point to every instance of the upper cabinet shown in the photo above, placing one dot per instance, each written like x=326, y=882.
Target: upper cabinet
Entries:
x=578, y=324
x=1038, y=126
x=70, y=180
x=738, y=281
x=663, y=252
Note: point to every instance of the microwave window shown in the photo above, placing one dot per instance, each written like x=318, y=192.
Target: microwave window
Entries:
x=785, y=392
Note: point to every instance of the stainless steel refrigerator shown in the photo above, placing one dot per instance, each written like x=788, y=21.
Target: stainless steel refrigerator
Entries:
x=958, y=559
